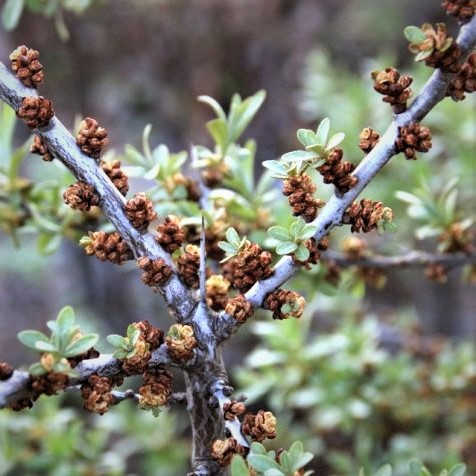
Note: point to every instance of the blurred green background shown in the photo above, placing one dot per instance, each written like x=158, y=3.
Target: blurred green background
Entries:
x=368, y=376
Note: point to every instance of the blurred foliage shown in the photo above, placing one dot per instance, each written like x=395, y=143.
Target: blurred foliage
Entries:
x=53, y=441
x=13, y=9
x=358, y=400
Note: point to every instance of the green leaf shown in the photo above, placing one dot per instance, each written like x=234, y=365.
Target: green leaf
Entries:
x=65, y=319
x=416, y=467
x=258, y=448
x=218, y=129
x=233, y=237
x=120, y=354
x=302, y=253
x=286, y=247
x=279, y=233
x=302, y=461
x=306, y=137
x=276, y=167
x=414, y=34
x=30, y=337
x=244, y=114
x=307, y=232
x=423, y=55
x=49, y=243
x=117, y=341
x=385, y=471
x=227, y=248
x=11, y=13
x=295, y=451
x=323, y=131
x=238, y=466
x=213, y=103
x=298, y=156
x=45, y=346
x=36, y=369
x=458, y=470
x=262, y=462
x=335, y=140
x=274, y=472
x=81, y=345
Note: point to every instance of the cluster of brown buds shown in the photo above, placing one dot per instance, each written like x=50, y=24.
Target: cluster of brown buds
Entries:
x=140, y=211
x=222, y=451
x=366, y=215
x=39, y=148
x=285, y=304
x=300, y=190
x=156, y=271
x=413, y=138
x=368, y=139
x=96, y=392
x=189, y=265
x=81, y=196
x=150, y=338
x=48, y=384
x=462, y=9
x=457, y=239
x=91, y=138
x=239, y=308
x=437, y=272
x=259, y=426
x=395, y=88
x=36, y=111
x=116, y=175
x=181, y=342
x=156, y=388
x=248, y=266
x=213, y=175
x=177, y=180
x=26, y=66
x=338, y=172
x=437, y=49
x=170, y=234
x=464, y=81
x=233, y=409
x=217, y=291
x=107, y=247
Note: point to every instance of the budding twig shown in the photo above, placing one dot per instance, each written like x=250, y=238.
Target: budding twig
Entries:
x=331, y=214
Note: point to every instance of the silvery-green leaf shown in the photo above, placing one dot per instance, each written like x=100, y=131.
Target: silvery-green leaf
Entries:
x=306, y=137
x=275, y=166
x=31, y=337
x=11, y=13
x=385, y=471
x=262, y=462
x=238, y=466
x=233, y=237
x=116, y=340
x=323, y=131
x=45, y=346
x=213, y=103
x=36, y=369
x=65, y=319
x=335, y=140
x=298, y=156
x=279, y=233
x=81, y=345
x=458, y=470
x=307, y=232
x=227, y=248
x=414, y=34
x=286, y=247
x=302, y=253
x=423, y=55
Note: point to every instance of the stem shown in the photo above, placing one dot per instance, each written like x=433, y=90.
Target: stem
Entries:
x=206, y=420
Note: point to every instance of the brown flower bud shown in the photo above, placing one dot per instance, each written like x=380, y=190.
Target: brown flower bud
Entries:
x=337, y=172
x=170, y=234
x=300, y=190
x=181, y=342
x=107, y=247
x=26, y=66
x=49, y=384
x=217, y=291
x=462, y=9
x=116, y=175
x=97, y=395
x=156, y=388
x=233, y=409
x=150, y=334
x=140, y=211
x=36, y=111
x=394, y=87
x=240, y=308
x=156, y=271
x=285, y=304
x=259, y=426
x=91, y=137
x=366, y=215
x=81, y=196
x=412, y=138
x=6, y=371
x=189, y=265
x=464, y=81
x=368, y=139
x=223, y=451
x=248, y=266
x=38, y=147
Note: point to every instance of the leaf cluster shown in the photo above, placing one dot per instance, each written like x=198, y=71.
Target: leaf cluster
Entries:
x=125, y=346
x=66, y=341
